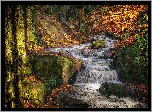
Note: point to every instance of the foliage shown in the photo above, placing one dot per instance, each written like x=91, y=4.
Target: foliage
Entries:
x=119, y=19
x=49, y=84
x=52, y=33
x=135, y=68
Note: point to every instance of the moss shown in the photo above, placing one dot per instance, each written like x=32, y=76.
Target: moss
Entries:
x=135, y=58
x=33, y=92
x=45, y=66
x=69, y=66
x=49, y=85
x=98, y=44
x=59, y=66
x=131, y=90
x=111, y=35
x=65, y=64
x=113, y=89
x=54, y=70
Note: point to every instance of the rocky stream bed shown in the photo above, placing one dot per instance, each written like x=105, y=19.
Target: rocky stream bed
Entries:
x=96, y=73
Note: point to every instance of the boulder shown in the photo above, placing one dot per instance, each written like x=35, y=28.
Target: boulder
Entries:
x=60, y=65
x=32, y=92
x=86, y=51
x=98, y=44
x=69, y=66
x=54, y=70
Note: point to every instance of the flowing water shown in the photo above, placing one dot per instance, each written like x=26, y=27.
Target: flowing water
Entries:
x=96, y=72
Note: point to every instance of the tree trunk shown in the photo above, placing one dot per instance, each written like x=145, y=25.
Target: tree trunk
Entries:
x=18, y=32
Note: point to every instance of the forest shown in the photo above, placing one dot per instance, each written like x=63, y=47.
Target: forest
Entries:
x=47, y=54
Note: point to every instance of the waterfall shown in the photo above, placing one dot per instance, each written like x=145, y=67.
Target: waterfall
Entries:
x=96, y=72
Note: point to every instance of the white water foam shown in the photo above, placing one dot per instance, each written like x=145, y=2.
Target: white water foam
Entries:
x=96, y=72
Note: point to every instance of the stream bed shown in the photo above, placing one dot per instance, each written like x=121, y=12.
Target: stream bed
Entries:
x=96, y=72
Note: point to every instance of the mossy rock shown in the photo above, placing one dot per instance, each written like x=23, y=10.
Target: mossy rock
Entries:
x=119, y=90
x=33, y=92
x=113, y=89
x=65, y=64
x=69, y=66
x=98, y=44
x=55, y=65
x=54, y=70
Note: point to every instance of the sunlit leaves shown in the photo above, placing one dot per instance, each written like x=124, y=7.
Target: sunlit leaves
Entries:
x=120, y=19
x=8, y=39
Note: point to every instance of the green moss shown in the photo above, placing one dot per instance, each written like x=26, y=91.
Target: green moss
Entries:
x=49, y=85
x=65, y=63
x=54, y=70
x=45, y=66
x=33, y=92
x=98, y=44
x=114, y=90
x=136, y=57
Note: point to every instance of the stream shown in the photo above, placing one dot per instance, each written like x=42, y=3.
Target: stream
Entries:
x=95, y=73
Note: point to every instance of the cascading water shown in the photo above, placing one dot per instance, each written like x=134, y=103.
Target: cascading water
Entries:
x=96, y=72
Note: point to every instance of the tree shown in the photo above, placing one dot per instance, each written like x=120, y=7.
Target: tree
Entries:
x=19, y=33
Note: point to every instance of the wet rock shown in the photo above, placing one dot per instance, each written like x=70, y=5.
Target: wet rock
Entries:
x=62, y=97
x=96, y=71
x=98, y=44
x=121, y=90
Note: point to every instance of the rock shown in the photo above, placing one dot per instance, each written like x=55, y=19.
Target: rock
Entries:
x=32, y=92
x=54, y=70
x=61, y=97
x=98, y=44
x=124, y=90
x=57, y=64
x=69, y=66
x=86, y=51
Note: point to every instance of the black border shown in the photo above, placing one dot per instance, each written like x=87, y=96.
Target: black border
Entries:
x=5, y=3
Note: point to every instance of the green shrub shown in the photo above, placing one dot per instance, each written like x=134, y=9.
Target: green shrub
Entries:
x=135, y=67
x=49, y=85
